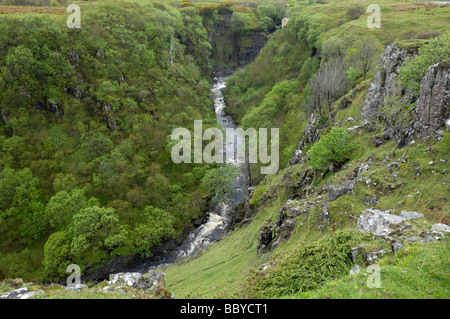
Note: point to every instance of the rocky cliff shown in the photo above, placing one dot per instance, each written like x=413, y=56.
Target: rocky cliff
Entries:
x=385, y=77
x=431, y=109
x=432, y=106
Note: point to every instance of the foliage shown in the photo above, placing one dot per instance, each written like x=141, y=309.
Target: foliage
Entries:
x=21, y=208
x=57, y=254
x=354, y=12
x=156, y=227
x=240, y=23
x=365, y=58
x=333, y=148
x=219, y=182
x=84, y=117
x=326, y=86
x=394, y=112
x=95, y=227
x=63, y=206
x=414, y=68
x=305, y=268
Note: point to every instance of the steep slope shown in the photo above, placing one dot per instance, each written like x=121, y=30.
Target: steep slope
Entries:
x=393, y=174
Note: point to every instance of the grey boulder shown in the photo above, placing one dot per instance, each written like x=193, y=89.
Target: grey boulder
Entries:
x=373, y=220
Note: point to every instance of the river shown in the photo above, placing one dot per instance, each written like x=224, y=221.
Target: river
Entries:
x=218, y=217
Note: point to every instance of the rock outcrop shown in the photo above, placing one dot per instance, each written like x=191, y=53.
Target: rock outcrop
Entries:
x=431, y=110
x=432, y=106
x=336, y=191
x=152, y=281
x=376, y=221
x=264, y=238
x=310, y=134
x=385, y=77
x=21, y=293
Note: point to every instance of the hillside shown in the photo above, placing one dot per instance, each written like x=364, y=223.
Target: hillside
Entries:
x=358, y=208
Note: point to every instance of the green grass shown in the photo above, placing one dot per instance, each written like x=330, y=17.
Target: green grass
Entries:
x=217, y=271
x=419, y=271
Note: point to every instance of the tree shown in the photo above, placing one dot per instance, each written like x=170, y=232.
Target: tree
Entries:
x=63, y=206
x=21, y=68
x=333, y=148
x=366, y=55
x=56, y=254
x=414, y=68
x=219, y=182
x=155, y=225
x=240, y=23
x=20, y=205
x=96, y=227
x=326, y=86
x=394, y=112
x=95, y=144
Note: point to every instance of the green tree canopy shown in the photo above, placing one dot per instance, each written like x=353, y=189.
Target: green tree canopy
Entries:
x=333, y=148
x=63, y=206
x=414, y=68
x=95, y=227
x=240, y=23
x=219, y=182
x=21, y=207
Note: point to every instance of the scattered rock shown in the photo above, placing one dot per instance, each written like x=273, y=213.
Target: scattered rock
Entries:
x=336, y=191
x=356, y=252
x=13, y=294
x=419, y=171
x=388, y=134
x=325, y=214
x=373, y=256
x=396, y=246
x=377, y=141
x=411, y=215
x=30, y=294
x=355, y=270
x=373, y=220
x=393, y=164
x=283, y=232
x=371, y=201
x=77, y=288
x=441, y=227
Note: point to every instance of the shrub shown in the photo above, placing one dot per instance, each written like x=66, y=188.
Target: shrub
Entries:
x=333, y=148
x=240, y=23
x=305, y=268
x=355, y=12
x=225, y=7
x=56, y=254
x=414, y=68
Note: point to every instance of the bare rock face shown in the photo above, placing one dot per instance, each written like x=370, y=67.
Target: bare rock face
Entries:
x=311, y=134
x=432, y=106
x=384, y=78
x=265, y=237
x=336, y=191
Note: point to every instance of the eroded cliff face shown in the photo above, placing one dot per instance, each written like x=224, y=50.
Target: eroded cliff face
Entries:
x=385, y=77
x=230, y=51
x=431, y=110
x=432, y=106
